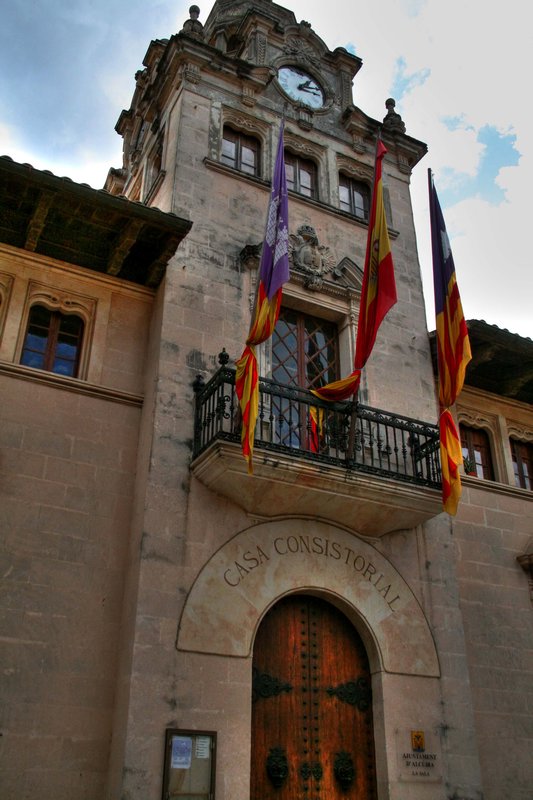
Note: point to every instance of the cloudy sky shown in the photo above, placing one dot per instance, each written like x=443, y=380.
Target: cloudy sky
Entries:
x=457, y=69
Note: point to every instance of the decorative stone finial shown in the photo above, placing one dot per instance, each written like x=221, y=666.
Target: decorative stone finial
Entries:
x=223, y=357
x=193, y=26
x=393, y=121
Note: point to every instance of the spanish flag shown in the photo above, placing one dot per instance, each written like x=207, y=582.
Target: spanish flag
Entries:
x=453, y=351
x=378, y=292
x=273, y=273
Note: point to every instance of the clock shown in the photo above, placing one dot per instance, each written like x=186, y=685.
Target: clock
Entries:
x=301, y=87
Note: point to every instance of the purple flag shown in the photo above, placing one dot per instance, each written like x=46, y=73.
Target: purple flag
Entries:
x=274, y=267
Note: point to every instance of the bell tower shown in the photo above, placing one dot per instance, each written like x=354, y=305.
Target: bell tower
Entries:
x=200, y=140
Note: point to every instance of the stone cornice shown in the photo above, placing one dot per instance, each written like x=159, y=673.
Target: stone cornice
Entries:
x=70, y=384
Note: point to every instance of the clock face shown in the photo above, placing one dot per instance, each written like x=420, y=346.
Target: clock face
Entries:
x=301, y=87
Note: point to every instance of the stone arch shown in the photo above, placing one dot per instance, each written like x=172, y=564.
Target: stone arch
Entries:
x=259, y=565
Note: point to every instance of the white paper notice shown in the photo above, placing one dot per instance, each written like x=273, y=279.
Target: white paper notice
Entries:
x=202, y=747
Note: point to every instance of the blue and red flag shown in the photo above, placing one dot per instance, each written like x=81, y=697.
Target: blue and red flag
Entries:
x=453, y=351
x=378, y=292
x=273, y=273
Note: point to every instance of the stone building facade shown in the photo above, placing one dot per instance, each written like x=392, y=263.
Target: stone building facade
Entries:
x=320, y=621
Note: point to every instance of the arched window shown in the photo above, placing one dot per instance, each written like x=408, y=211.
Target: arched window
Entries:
x=240, y=151
x=476, y=452
x=52, y=341
x=354, y=197
x=522, y=453
x=301, y=175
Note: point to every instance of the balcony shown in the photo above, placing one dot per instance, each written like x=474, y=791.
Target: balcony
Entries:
x=370, y=470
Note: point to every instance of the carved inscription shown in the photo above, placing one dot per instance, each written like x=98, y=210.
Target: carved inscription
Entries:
x=320, y=547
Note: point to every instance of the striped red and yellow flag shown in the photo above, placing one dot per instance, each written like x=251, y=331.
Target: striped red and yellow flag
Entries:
x=273, y=273
x=453, y=351
x=378, y=292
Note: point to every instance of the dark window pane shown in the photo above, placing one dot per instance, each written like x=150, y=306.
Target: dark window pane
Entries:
x=30, y=359
x=67, y=350
x=39, y=315
x=62, y=367
x=53, y=341
x=70, y=324
x=36, y=341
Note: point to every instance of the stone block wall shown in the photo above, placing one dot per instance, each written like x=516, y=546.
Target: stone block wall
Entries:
x=68, y=457
x=493, y=528
x=67, y=470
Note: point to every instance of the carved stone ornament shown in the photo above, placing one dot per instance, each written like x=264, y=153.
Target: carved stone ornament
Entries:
x=392, y=120
x=193, y=26
x=517, y=431
x=190, y=72
x=314, y=260
x=248, y=95
x=301, y=51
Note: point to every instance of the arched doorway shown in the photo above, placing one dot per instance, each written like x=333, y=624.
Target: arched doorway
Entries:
x=312, y=732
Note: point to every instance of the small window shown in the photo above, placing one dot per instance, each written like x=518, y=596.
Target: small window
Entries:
x=154, y=166
x=52, y=341
x=354, y=197
x=240, y=151
x=522, y=463
x=301, y=175
x=476, y=449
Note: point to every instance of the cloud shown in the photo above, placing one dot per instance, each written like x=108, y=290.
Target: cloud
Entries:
x=454, y=69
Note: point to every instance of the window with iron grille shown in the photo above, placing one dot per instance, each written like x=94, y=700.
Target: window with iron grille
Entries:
x=354, y=197
x=304, y=355
x=304, y=350
x=240, y=151
x=475, y=445
x=522, y=453
x=301, y=174
x=52, y=341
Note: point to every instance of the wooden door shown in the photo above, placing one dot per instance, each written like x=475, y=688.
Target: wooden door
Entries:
x=312, y=735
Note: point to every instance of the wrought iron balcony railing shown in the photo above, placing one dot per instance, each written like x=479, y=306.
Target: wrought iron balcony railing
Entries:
x=293, y=421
